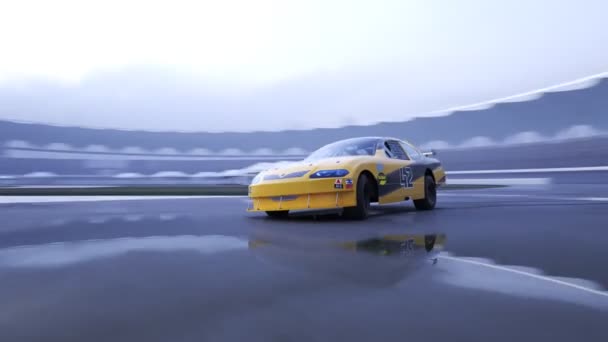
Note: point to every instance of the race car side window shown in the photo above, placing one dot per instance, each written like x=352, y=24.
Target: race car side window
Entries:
x=410, y=150
x=394, y=150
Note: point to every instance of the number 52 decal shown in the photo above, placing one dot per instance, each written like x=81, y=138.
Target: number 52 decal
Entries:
x=407, y=177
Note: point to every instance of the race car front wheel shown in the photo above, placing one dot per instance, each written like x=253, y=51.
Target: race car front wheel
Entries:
x=364, y=196
x=430, y=195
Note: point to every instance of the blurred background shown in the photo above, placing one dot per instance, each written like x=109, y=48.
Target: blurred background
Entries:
x=139, y=93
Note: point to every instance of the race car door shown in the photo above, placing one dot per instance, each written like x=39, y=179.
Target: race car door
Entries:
x=397, y=172
x=417, y=169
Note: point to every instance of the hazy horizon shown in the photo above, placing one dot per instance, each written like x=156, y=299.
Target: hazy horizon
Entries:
x=240, y=66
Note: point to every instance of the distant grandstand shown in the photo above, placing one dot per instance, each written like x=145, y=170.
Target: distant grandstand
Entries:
x=38, y=153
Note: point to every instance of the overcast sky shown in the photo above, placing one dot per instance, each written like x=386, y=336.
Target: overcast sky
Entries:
x=242, y=65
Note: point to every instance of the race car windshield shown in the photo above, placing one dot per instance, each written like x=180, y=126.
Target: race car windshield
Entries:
x=345, y=148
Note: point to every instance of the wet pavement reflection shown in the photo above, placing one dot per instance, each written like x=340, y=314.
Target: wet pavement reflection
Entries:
x=168, y=277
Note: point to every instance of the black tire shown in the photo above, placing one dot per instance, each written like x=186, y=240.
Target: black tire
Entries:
x=364, y=195
x=430, y=195
x=278, y=213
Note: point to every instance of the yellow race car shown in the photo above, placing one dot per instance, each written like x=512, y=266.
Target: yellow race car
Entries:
x=350, y=174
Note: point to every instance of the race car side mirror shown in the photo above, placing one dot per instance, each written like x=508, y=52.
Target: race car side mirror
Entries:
x=429, y=154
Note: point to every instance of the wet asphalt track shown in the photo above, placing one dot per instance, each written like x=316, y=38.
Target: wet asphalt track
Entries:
x=519, y=264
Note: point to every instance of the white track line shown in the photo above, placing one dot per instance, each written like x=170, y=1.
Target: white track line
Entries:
x=499, y=181
x=461, y=194
x=553, y=198
x=541, y=170
x=526, y=274
x=67, y=199
x=594, y=199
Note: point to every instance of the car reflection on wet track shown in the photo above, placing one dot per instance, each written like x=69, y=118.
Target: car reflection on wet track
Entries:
x=376, y=261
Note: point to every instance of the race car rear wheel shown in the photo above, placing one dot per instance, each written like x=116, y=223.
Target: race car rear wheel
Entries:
x=364, y=196
x=430, y=195
x=278, y=213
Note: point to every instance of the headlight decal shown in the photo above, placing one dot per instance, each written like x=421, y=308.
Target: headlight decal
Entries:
x=330, y=173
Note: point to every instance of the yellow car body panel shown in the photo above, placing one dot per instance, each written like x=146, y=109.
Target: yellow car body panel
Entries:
x=291, y=188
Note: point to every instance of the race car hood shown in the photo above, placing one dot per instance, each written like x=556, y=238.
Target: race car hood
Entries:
x=303, y=168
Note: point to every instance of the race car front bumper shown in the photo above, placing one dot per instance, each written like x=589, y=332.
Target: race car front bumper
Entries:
x=303, y=194
x=328, y=200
